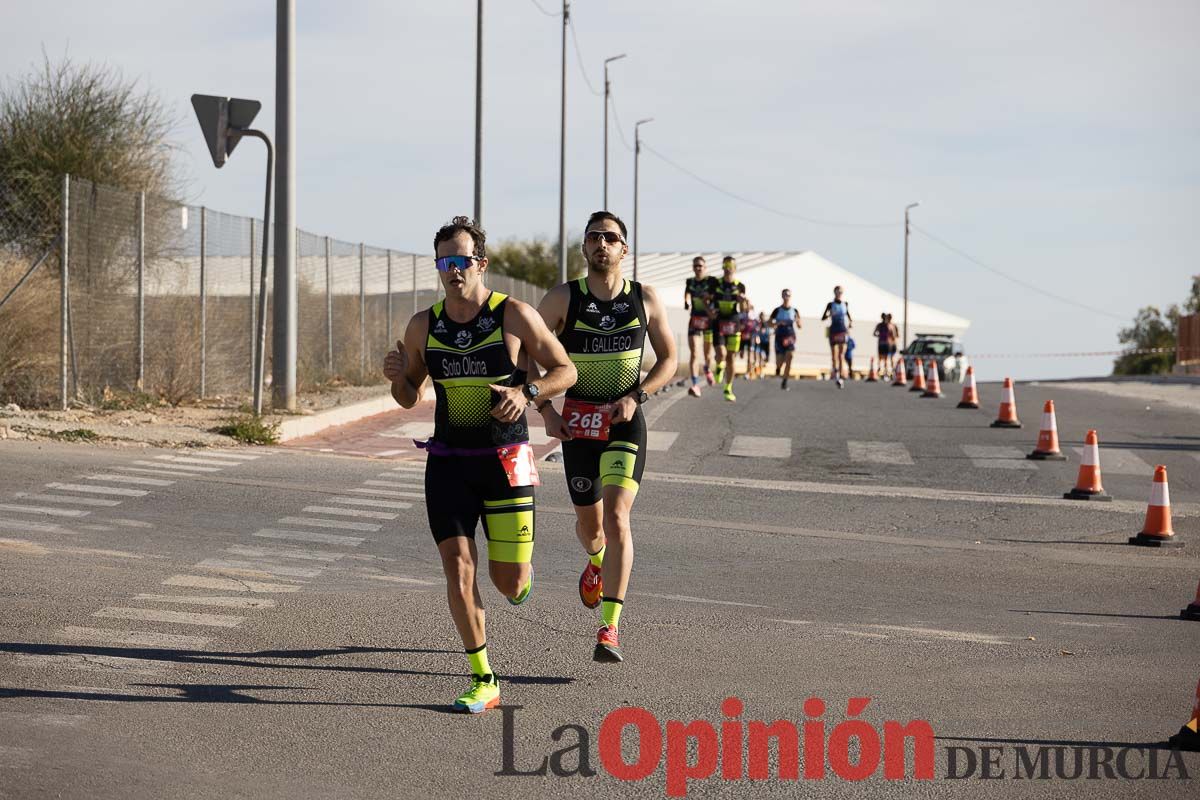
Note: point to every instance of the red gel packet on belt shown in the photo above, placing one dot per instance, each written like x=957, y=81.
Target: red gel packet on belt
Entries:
x=518, y=465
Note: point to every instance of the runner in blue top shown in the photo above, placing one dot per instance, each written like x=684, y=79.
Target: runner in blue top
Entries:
x=837, y=311
x=785, y=319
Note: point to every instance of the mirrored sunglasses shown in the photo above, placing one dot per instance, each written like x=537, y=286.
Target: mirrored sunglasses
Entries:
x=460, y=263
x=612, y=237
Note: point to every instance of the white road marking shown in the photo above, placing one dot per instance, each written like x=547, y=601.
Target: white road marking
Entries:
x=98, y=527
x=227, y=454
x=174, y=617
x=348, y=512
x=383, y=492
x=880, y=453
x=131, y=523
x=990, y=457
x=261, y=566
x=129, y=479
x=862, y=634
x=75, y=501
x=162, y=473
x=307, y=536
x=1118, y=461
x=76, y=487
x=396, y=486
x=957, y=636
x=49, y=512
x=369, y=527
x=660, y=441
x=402, y=579
x=761, y=447
x=294, y=552
x=26, y=525
x=200, y=461
x=134, y=638
x=389, y=453
x=409, y=430
x=792, y=621
x=363, y=501
x=229, y=584
x=418, y=469
x=207, y=600
x=95, y=663
x=688, y=599
x=176, y=467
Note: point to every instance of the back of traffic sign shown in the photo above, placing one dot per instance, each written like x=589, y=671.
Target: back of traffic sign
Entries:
x=222, y=119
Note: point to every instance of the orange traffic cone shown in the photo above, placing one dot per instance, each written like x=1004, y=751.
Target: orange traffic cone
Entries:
x=871, y=376
x=970, y=397
x=901, y=378
x=1157, y=531
x=934, y=384
x=1087, y=485
x=1188, y=737
x=918, y=377
x=1008, y=407
x=1193, y=609
x=1047, y=443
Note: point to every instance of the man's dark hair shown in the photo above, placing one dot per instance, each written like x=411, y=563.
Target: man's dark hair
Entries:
x=462, y=225
x=598, y=216
x=698, y=260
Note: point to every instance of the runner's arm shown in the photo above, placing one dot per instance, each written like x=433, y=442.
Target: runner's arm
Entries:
x=405, y=368
x=828, y=311
x=849, y=320
x=661, y=341
x=543, y=348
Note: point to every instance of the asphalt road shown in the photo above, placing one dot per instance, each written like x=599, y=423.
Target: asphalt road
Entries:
x=211, y=628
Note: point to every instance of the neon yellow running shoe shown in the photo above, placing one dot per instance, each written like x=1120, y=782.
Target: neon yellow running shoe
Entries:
x=482, y=696
x=524, y=595
x=719, y=373
x=729, y=394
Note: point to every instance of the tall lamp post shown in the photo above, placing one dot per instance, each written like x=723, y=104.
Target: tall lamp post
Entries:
x=607, y=93
x=479, y=113
x=904, y=339
x=562, y=155
x=637, y=151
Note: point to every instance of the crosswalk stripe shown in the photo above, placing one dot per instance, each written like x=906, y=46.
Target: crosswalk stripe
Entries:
x=349, y=512
x=74, y=501
x=880, y=453
x=200, y=461
x=660, y=441
x=332, y=523
x=49, y=512
x=207, y=600
x=94, y=663
x=295, y=552
x=229, y=584
x=177, y=467
x=128, y=479
x=992, y=457
x=76, y=487
x=363, y=501
x=310, y=536
x=384, y=493
x=396, y=489
x=174, y=617
x=261, y=566
x=135, y=638
x=416, y=469
x=162, y=473
x=1117, y=461
x=27, y=525
x=226, y=454
x=761, y=447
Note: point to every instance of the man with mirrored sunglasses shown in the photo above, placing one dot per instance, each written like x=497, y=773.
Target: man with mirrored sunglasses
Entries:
x=479, y=466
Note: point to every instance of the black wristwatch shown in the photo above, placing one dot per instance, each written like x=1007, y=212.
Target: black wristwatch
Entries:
x=641, y=396
x=531, y=392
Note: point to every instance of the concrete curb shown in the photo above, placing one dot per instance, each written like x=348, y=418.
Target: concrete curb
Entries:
x=299, y=427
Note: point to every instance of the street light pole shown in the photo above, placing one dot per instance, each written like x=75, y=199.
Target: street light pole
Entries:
x=479, y=113
x=562, y=155
x=637, y=151
x=904, y=340
x=607, y=92
x=284, y=334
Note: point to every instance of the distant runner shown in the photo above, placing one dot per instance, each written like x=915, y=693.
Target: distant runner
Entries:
x=785, y=320
x=730, y=299
x=762, y=345
x=883, y=332
x=697, y=298
x=837, y=312
x=749, y=331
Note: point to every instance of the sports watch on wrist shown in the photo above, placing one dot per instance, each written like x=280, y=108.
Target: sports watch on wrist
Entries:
x=641, y=397
x=531, y=392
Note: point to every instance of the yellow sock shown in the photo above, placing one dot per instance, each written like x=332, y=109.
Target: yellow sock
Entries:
x=597, y=558
x=479, y=661
x=610, y=609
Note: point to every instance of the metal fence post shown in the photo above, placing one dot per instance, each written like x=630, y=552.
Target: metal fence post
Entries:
x=253, y=315
x=141, y=291
x=203, y=302
x=389, y=297
x=362, y=311
x=328, y=309
x=65, y=261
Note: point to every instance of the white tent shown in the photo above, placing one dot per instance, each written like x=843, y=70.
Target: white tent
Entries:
x=811, y=279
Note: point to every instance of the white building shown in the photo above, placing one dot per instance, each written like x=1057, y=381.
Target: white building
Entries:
x=811, y=279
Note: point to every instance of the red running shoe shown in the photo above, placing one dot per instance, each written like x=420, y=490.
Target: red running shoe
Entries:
x=591, y=585
x=607, y=649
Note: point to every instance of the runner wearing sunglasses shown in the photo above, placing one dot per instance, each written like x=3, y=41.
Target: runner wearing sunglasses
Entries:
x=480, y=464
x=697, y=297
x=603, y=321
x=730, y=300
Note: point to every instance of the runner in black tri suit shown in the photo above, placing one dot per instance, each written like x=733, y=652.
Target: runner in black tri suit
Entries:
x=785, y=319
x=479, y=464
x=730, y=300
x=603, y=321
x=697, y=298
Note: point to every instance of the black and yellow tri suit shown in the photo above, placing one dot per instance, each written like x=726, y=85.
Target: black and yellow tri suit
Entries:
x=464, y=477
x=727, y=297
x=700, y=292
x=605, y=340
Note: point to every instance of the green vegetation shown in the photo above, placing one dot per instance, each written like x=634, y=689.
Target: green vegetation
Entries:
x=250, y=429
x=1153, y=329
x=535, y=260
x=75, y=435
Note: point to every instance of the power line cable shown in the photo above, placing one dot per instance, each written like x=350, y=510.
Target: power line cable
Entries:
x=1018, y=281
x=617, y=117
x=579, y=56
x=761, y=207
x=544, y=11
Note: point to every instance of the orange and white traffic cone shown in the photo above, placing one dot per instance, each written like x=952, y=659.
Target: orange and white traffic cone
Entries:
x=1157, y=531
x=1008, y=407
x=871, y=376
x=918, y=377
x=1188, y=737
x=1087, y=485
x=901, y=378
x=970, y=396
x=1047, y=443
x=934, y=383
x=1193, y=609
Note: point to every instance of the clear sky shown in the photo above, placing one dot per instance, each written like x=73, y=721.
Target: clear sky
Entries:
x=1055, y=141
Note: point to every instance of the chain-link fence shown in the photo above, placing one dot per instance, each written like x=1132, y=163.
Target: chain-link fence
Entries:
x=162, y=298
